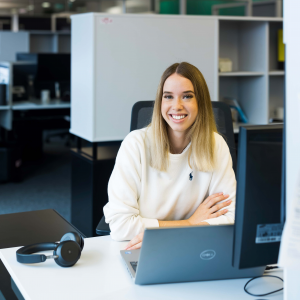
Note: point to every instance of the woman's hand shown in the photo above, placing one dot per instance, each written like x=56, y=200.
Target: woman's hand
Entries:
x=136, y=242
x=209, y=208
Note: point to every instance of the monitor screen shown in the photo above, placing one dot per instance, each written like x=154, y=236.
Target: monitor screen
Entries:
x=258, y=224
x=54, y=68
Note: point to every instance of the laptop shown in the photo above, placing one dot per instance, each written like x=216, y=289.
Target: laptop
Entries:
x=180, y=254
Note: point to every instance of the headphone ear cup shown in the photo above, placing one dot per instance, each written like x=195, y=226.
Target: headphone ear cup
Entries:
x=73, y=236
x=68, y=253
x=81, y=242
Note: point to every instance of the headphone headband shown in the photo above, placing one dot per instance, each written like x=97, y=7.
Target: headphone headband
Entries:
x=23, y=257
x=65, y=253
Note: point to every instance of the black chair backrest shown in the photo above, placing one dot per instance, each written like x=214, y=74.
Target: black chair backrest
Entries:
x=142, y=113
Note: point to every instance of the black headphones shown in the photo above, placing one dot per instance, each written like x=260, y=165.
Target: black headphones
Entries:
x=66, y=252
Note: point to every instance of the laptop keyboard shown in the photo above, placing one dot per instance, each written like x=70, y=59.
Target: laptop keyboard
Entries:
x=134, y=265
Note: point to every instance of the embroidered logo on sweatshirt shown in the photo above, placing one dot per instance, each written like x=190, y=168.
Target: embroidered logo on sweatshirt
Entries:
x=191, y=176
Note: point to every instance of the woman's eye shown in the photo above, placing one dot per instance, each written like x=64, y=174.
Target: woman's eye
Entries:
x=168, y=97
x=188, y=96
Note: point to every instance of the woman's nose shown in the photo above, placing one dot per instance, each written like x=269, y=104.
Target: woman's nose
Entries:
x=177, y=104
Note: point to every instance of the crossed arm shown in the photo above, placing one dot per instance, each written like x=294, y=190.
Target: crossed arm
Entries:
x=210, y=208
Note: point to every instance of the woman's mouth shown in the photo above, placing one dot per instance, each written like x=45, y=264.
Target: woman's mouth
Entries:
x=178, y=117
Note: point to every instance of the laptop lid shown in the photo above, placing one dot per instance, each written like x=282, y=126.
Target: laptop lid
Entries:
x=180, y=254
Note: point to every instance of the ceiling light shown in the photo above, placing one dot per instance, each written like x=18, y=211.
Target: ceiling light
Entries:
x=72, y=0
x=46, y=4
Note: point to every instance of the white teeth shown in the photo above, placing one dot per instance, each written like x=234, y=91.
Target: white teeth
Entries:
x=178, y=117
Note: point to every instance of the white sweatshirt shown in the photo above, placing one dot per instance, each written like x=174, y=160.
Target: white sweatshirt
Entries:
x=140, y=195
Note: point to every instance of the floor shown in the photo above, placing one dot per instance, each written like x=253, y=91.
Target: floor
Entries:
x=44, y=184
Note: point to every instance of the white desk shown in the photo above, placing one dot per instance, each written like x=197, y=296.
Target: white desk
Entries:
x=101, y=274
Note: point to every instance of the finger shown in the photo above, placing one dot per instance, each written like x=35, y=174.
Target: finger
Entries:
x=133, y=242
x=220, y=206
x=212, y=197
x=137, y=246
x=216, y=200
x=218, y=213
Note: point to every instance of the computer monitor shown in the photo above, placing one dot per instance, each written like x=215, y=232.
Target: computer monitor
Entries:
x=258, y=219
x=51, y=67
x=54, y=67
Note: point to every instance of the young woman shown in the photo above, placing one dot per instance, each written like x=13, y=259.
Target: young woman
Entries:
x=178, y=170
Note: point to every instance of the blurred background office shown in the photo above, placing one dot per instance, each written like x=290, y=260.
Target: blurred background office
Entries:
x=37, y=151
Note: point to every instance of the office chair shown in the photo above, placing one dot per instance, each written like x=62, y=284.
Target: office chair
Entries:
x=141, y=117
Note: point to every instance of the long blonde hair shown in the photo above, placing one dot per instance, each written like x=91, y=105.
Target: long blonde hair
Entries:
x=201, y=133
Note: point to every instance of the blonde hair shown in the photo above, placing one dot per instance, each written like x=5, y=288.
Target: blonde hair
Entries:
x=201, y=133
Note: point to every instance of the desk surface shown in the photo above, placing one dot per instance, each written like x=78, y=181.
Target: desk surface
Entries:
x=32, y=227
x=101, y=274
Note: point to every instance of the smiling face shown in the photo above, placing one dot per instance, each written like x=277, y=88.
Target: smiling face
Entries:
x=179, y=106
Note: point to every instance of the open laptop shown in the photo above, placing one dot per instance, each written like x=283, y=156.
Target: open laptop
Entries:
x=179, y=254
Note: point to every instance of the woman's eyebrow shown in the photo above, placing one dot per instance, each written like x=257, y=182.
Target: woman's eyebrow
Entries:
x=188, y=92
x=182, y=92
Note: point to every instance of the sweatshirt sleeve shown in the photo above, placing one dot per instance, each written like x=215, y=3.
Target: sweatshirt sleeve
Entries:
x=223, y=180
x=124, y=187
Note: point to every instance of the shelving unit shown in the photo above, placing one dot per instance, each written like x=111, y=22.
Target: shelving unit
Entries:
x=37, y=41
x=64, y=43
x=42, y=43
x=33, y=105
x=276, y=76
x=250, y=92
x=276, y=94
x=240, y=74
x=6, y=111
x=50, y=42
x=236, y=126
x=273, y=31
x=241, y=41
x=256, y=81
x=276, y=73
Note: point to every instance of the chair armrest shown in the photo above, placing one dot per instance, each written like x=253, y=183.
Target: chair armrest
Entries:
x=103, y=228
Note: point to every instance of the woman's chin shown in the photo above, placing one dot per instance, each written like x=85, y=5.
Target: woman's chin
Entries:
x=180, y=128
